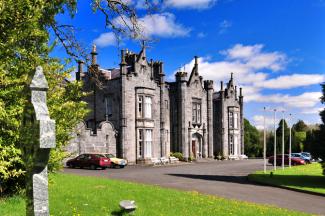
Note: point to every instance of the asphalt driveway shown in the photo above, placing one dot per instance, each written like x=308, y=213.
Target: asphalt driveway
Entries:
x=222, y=178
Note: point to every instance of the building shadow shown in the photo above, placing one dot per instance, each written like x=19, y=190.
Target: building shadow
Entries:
x=222, y=178
x=293, y=181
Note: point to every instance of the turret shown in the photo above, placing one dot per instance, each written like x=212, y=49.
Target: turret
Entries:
x=181, y=76
x=123, y=63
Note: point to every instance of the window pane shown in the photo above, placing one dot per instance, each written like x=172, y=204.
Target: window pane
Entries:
x=147, y=107
x=148, y=143
x=231, y=120
x=140, y=143
x=140, y=106
x=194, y=113
x=198, y=113
x=235, y=120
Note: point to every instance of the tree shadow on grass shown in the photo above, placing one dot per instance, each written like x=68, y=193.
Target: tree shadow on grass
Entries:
x=296, y=181
x=301, y=181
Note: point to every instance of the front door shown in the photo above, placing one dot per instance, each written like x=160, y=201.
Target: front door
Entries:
x=193, y=148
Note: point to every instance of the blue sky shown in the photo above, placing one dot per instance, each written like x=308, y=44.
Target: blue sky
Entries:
x=275, y=48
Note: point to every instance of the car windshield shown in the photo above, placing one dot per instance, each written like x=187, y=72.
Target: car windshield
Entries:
x=110, y=155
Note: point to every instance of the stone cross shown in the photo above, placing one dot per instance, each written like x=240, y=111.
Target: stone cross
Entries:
x=39, y=138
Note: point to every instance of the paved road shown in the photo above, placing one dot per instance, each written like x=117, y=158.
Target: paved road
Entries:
x=221, y=178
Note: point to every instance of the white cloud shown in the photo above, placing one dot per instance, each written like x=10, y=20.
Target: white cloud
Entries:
x=161, y=25
x=254, y=58
x=106, y=39
x=312, y=111
x=224, y=25
x=258, y=121
x=190, y=4
x=292, y=81
x=201, y=35
x=252, y=67
x=304, y=100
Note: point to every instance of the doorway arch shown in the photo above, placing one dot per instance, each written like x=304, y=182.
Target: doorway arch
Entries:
x=196, y=145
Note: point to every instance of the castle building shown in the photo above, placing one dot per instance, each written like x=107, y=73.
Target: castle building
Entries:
x=137, y=115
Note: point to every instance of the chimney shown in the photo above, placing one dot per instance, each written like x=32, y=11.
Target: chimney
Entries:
x=80, y=70
x=94, y=55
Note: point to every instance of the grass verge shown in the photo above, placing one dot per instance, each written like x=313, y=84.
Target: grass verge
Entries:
x=76, y=195
x=306, y=178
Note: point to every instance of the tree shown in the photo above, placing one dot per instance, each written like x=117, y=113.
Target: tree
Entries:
x=24, y=44
x=253, y=145
x=279, y=136
x=300, y=126
x=318, y=138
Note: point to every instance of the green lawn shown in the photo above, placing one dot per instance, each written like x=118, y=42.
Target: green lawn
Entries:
x=307, y=177
x=75, y=195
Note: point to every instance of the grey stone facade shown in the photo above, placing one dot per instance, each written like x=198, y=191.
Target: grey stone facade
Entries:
x=149, y=117
x=228, y=121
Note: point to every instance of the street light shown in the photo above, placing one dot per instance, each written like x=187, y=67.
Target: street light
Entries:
x=283, y=119
x=264, y=150
x=274, y=159
x=290, y=140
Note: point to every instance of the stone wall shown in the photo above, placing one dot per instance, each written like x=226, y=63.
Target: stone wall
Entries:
x=85, y=141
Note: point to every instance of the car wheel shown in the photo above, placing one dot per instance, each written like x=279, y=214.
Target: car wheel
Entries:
x=70, y=166
x=93, y=167
x=103, y=168
x=294, y=164
x=121, y=166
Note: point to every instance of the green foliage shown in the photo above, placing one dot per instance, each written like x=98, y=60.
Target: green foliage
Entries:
x=253, y=145
x=178, y=155
x=300, y=126
x=300, y=138
x=101, y=196
x=317, y=137
x=24, y=42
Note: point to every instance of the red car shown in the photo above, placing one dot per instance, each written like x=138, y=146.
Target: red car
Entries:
x=294, y=160
x=92, y=161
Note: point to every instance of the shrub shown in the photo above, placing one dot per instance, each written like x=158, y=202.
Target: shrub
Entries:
x=178, y=155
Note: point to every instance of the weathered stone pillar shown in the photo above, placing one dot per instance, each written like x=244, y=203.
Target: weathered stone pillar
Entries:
x=184, y=127
x=208, y=85
x=123, y=119
x=162, y=112
x=38, y=137
x=224, y=150
x=205, y=142
x=241, y=103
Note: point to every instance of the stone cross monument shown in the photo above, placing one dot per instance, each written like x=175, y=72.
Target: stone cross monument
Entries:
x=38, y=132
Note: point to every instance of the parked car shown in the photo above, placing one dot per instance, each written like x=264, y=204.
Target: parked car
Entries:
x=92, y=161
x=116, y=162
x=294, y=160
x=302, y=156
x=308, y=155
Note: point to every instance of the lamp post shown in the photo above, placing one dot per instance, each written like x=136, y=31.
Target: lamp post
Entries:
x=290, y=141
x=274, y=159
x=282, y=139
x=264, y=146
